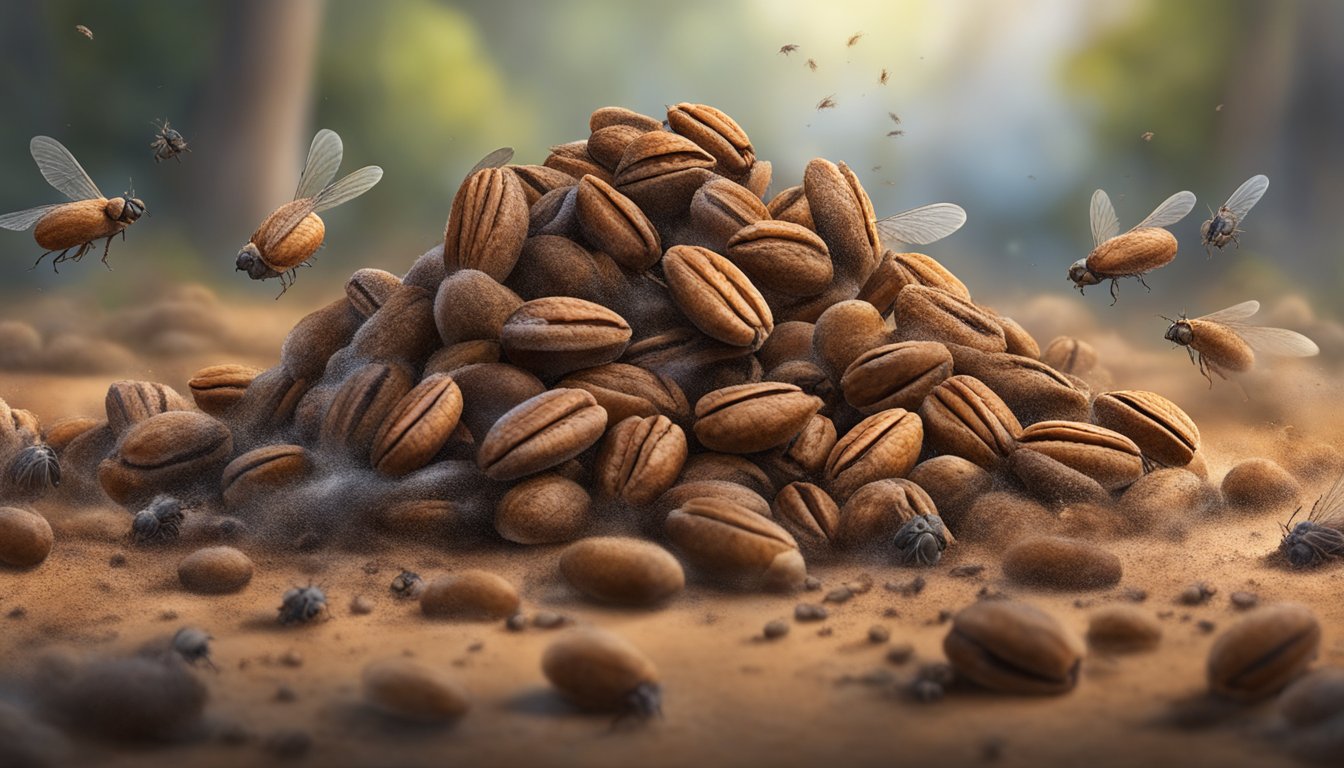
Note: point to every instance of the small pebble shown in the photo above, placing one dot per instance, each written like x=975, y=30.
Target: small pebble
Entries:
x=775, y=629
x=117, y=560
x=944, y=616
x=215, y=570
x=1060, y=563
x=25, y=537
x=1243, y=601
x=291, y=658
x=1135, y=595
x=232, y=734
x=1123, y=629
x=169, y=615
x=285, y=694
x=860, y=585
x=991, y=749
x=1205, y=626
x=891, y=613
x=900, y=654
x=966, y=571
x=412, y=691
x=811, y=584
x=548, y=620
x=878, y=635
x=516, y=623
x=809, y=612
x=825, y=632
x=1197, y=593
x=361, y=606
x=17, y=612
x=838, y=595
x=926, y=691
x=939, y=672
x=476, y=647
x=289, y=744
x=470, y=595
x=907, y=589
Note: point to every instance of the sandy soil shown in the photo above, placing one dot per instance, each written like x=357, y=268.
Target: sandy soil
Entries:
x=822, y=693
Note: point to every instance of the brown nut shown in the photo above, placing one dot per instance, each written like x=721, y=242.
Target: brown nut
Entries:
x=1069, y=355
x=539, y=181
x=884, y=445
x=540, y=433
x=895, y=375
x=963, y=417
x=722, y=207
x=716, y=133
x=360, y=407
x=1033, y=390
x=613, y=224
x=268, y=404
x=789, y=342
x=607, y=145
x=130, y=402
x=1013, y=647
x=1263, y=652
x=169, y=451
x=604, y=117
x=489, y=390
x=1123, y=629
x=471, y=595
x=369, y=289
x=546, y=509
x=314, y=339
x=748, y=418
x=1258, y=484
x=658, y=153
x=716, y=297
x=805, y=455
x=413, y=692
x=449, y=359
x=573, y=159
x=1052, y=481
x=737, y=545
x=625, y=390
x=843, y=216
x=557, y=266
x=418, y=426
x=897, y=270
x=1060, y=563
x=1020, y=341
x=215, y=571
x=63, y=432
x=217, y=388
x=930, y=314
x=791, y=205
x=554, y=213
x=1163, y=432
x=254, y=476
x=725, y=490
x=1166, y=496
x=487, y=225
x=640, y=458
x=875, y=512
x=953, y=483
x=25, y=538
x=401, y=331
x=602, y=672
x=623, y=571
x=558, y=335
x=471, y=305
x=843, y=333
x=810, y=514
x=1108, y=457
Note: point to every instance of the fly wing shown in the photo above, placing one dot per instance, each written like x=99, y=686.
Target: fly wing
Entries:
x=1247, y=195
x=1105, y=224
x=1276, y=341
x=21, y=220
x=281, y=229
x=61, y=169
x=496, y=159
x=1233, y=314
x=348, y=188
x=324, y=157
x=1172, y=210
x=923, y=225
x=1329, y=509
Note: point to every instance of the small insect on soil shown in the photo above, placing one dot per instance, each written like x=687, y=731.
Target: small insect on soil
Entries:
x=302, y=604
x=168, y=144
x=193, y=645
x=1320, y=537
x=160, y=521
x=35, y=468
x=407, y=584
x=1223, y=343
x=921, y=541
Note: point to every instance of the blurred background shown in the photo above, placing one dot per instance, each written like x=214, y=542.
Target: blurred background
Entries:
x=1015, y=110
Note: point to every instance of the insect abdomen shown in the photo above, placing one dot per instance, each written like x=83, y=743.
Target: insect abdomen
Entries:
x=1134, y=252
x=296, y=247
x=74, y=224
x=1221, y=347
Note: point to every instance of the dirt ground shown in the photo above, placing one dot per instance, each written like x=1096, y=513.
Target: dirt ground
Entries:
x=823, y=693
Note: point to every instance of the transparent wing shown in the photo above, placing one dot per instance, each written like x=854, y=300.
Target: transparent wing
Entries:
x=923, y=225
x=1172, y=210
x=1247, y=195
x=324, y=157
x=1276, y=341
x=1105, y=224
x=61, y=169
x=1233, y=314
x=1329, y=509
x=348, y=188
x=21, y=220
x=499, y=157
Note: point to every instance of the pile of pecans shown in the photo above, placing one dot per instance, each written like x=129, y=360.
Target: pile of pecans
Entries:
x=630, y=339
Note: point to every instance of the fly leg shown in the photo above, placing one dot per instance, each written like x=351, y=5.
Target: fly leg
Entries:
x=1204, y=369
x=1141, y=282
x=107, y=244
x=43, y=256
x=1115, y=291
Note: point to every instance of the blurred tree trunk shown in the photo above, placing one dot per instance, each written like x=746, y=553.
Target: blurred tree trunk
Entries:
x=254, y=118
